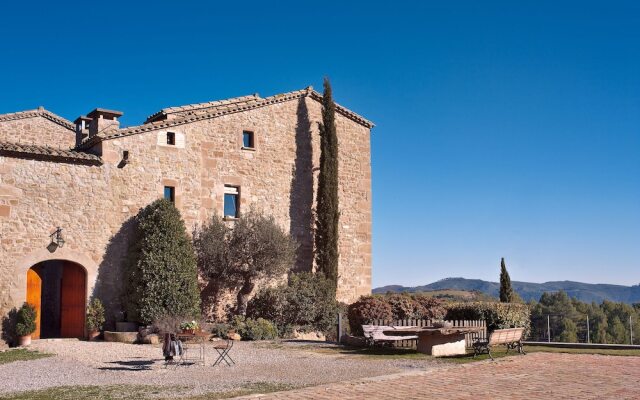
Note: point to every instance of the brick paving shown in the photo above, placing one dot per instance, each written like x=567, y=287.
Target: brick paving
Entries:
x=534, y=376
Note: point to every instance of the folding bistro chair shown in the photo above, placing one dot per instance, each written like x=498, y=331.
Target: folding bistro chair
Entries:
x=223, y=348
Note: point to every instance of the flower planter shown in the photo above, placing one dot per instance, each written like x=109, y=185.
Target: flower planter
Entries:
x=189, y=331
x=24, y=340
x=93, y=335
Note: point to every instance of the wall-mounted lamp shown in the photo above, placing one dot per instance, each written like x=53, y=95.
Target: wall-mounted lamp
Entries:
x=56, y=238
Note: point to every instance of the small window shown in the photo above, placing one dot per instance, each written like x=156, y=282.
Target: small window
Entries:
x=171, y=138
x=231, y=205
x=170, y=193
x=247, y=140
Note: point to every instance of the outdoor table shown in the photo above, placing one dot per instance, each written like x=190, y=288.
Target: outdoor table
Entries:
x=199, y=338
x=438, y=342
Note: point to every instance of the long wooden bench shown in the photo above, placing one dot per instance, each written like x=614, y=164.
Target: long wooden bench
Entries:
x=374, y=334
x=511, y=337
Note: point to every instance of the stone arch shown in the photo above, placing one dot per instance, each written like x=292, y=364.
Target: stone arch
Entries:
x=23, y=265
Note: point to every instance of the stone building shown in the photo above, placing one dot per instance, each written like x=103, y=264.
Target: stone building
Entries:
x=90, y=177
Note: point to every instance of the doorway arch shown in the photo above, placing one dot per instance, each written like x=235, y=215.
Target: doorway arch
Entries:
x=58, y=291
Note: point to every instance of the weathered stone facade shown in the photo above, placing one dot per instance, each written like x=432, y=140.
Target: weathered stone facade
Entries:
x=94, y=190
x=39, y=127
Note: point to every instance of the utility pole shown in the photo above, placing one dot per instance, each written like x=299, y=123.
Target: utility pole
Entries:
x=630, y=330
x=588, y=339
x=548, y=329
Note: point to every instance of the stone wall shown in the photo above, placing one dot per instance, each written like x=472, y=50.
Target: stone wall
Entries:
x=34, y=128
x=94, y=204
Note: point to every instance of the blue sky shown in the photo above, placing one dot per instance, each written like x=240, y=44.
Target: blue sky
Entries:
x=504, y=129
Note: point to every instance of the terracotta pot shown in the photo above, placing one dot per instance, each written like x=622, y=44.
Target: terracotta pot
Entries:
x=24, y=340
x=190, y=331
x=93, y=335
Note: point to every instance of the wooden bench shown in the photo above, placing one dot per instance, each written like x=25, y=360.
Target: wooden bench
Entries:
x=511, y=337
x=374, y=334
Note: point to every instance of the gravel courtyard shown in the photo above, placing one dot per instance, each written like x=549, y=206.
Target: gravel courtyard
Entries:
x=102, y=363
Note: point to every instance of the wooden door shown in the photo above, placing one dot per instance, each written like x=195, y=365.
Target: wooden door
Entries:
x=34, y=296
x=72, y=301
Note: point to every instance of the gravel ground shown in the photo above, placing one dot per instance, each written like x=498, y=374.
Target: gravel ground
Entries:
x=102, y=363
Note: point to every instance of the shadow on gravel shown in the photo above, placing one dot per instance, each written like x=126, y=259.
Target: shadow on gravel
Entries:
x=142, y=365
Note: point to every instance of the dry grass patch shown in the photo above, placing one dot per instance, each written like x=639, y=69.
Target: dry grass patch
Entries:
x=21, y=355
x=119, y=392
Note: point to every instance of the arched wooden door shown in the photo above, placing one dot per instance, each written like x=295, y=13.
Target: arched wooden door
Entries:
x=34, y=293
x=58, y=291
x=73, y=301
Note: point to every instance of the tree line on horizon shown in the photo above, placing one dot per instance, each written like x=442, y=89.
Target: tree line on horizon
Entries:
x=558, y=318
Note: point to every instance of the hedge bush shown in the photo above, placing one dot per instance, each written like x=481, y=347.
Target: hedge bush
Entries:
x=395, y=307
x=404, y=307
x=367, y=309
x=162, y=277
x=433, y=308
x=254, y=329
x=497, y=315
x=306, y=303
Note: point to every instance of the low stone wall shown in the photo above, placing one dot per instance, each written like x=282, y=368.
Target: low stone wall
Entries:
x=122, y=337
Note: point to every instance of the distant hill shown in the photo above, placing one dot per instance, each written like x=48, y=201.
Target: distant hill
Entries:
x=586, y=292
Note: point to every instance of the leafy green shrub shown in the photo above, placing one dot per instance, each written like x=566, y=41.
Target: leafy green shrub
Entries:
x=404, y=306
x=393, y=307
x=26, y=320
x=254, y=329
x=433, y=308
x=271, y=303
x=221, y=330
x=306, y=303
x=366, y=310
x=496, y=315
x=95, y=315
x=162, y=274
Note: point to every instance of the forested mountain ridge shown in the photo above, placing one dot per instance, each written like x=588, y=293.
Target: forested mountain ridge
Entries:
x=586, y=292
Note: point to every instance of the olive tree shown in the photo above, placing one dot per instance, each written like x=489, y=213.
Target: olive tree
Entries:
x=238, y=256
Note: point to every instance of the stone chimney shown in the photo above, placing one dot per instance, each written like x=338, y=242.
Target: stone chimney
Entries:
x=103, y=121
x=82, y=128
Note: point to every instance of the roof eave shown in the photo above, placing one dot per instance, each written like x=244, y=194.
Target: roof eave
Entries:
x=263, y=102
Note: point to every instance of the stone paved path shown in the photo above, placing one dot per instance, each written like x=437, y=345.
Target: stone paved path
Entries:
x=534, y=376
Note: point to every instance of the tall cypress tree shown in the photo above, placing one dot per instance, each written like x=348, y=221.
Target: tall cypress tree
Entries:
x=506, y=291
x=327, y=213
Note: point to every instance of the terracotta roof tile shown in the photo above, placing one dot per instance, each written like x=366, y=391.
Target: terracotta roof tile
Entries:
x=189, y=108
x=20, y=150
x=197, y=112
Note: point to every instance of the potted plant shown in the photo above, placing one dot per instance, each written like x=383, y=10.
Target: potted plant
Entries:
x=189, y=327
x=25, y=324
x=95, y=318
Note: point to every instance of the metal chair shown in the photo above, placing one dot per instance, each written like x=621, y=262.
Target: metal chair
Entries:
x=223, y=348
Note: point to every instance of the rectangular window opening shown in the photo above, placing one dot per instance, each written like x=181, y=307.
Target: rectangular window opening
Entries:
x=170, y=193
x=247, y=140
x=171, y=138
x=231, y=202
